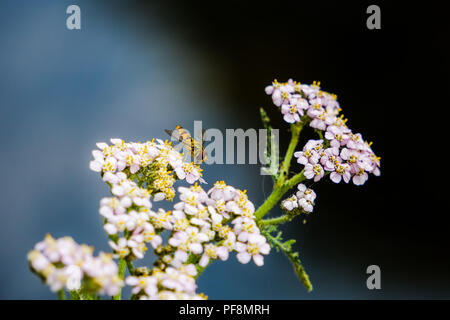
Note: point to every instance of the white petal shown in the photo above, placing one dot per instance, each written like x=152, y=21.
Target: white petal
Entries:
x=95, y=166
x=159, y=196
x=110, y=228
x=204, y=261
x=265, y=248
x=259, y=260
x=244, y=257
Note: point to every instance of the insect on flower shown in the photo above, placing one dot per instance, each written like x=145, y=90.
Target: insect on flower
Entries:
x=196, y=148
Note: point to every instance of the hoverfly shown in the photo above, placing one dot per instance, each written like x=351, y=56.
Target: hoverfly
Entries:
x=196, y=148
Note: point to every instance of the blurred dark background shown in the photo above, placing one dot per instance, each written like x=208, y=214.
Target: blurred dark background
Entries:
x=138, y=67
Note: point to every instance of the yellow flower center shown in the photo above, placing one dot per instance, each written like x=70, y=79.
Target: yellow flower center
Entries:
x=252, y=249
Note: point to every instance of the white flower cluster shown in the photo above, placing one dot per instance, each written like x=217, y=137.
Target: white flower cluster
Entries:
x=296, y=99
x=62, y=263
x=303, y=200
x=349, y=155
x=352, y=160
x=170, y=284
x=157, y=163
x=128, y=213
x=223, y=215
x=203, y=226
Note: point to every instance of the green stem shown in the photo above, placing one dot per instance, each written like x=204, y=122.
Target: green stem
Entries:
x=277, y=194
x=295, y=134
x=281, y=186
x=75, y=295
x=61, y=294
x=281, y=219
x=270, y=202
x=292, y=182
x=122, y=267
x=131, y=268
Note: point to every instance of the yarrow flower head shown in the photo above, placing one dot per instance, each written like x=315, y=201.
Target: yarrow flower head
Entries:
x=62, y=263
x=302, y=201
x=170, y=284
x=222, y=215
x=203, y=225
x=296, y=99
x=127, y=167
x=340, y=153
x=158, y=164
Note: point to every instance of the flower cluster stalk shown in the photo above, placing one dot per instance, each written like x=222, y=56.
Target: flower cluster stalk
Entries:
x=121, y=273
x=282, y=185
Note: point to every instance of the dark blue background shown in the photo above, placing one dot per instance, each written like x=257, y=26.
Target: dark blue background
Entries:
x=138, y=68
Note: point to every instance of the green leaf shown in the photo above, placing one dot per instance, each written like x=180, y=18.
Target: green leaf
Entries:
x=294, y=257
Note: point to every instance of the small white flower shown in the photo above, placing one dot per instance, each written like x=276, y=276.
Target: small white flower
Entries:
x=146, y=284
x=121, y=248
x=214, y=252
x=290, y=203
x=255, y=247
x=74, y=277
x=70, y=263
